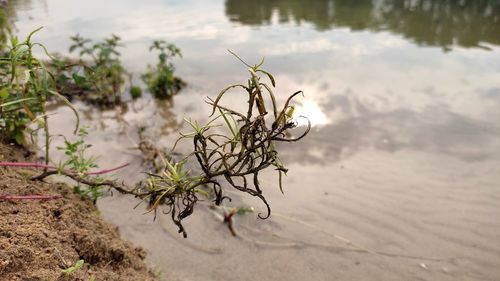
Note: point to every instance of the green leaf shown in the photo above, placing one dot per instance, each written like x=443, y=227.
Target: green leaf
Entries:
x=15, y=102
x=4, y=93
x=19, y=138
x=68, y=103
x=135, y=92
x=72, y=269
x=273, y=82
x=14, y=41
x=281, y=181
x=80, y=81
x=32, y=33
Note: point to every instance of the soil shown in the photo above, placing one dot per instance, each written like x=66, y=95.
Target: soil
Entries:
x=40, y=238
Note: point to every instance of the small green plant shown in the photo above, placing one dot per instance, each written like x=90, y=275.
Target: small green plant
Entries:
x=100, y=74
x=78, y=162
x=158, y=273
x=235, y=151
x=78, y=267
x=160, y=79
x=135, y=92
x=75, y=267
x=13, y=121
x=25, y=87
x=67, y=79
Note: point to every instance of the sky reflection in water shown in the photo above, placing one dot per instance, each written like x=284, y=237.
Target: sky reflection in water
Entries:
x=419, y=75
x=405, y=94
x=421, y=57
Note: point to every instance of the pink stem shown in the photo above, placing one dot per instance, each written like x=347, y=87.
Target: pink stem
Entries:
x=28, y=197
x=108, y=170
x=23, y=164
x=37, y=165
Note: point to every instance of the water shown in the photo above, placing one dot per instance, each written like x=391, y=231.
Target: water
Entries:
x=403, y=158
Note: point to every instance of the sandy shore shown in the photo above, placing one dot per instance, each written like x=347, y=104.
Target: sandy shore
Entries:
x=40, y=238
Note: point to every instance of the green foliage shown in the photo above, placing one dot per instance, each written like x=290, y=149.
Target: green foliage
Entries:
x=236, y=151
x=75, y=267
x=78, y=267
x=135, y=92
x=25, y=87
x=18, y=104
x=160, y=79
x=99, y=72
x=67, y=78
x=78, y=162
x=75, y=152
x=12, y=126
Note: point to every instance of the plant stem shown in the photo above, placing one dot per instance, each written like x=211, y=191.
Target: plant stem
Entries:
x=28, y=197
x=46, y=167
x=23, y=164
x=47, y=137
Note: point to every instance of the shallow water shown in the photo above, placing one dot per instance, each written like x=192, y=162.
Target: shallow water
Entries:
x=403, y=158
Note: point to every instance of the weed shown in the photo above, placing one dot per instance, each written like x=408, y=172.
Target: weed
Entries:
x=245, y=147
x=160, y=79
x=99, y=72
x=75, y=267
x=135, y=92
x=67, y=79
x=157, y=273
x=75, y=151
x=78, y=267
x=80, y=164
x=25, y=87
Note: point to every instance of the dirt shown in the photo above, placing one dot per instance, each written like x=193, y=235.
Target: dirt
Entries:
x=40, y=238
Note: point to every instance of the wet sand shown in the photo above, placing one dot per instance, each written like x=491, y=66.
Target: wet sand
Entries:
x=408, y=215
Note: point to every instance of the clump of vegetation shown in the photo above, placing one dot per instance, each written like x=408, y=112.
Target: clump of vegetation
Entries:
x=77, y=166
x=14, y=105
x=25, y=88
x=26, y=85
x=67, y=78
x=97, y=76
x=236, y=153
x=13, y=122
x=135, y=92
x=78, y=163
x=160, y=79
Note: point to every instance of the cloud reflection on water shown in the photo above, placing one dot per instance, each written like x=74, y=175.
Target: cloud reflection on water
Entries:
x=396, y=94
x=434, y=130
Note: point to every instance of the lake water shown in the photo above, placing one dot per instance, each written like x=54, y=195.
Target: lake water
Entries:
x=403, y=159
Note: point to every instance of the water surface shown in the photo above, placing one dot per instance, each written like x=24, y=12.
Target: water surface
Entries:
x=403, y=158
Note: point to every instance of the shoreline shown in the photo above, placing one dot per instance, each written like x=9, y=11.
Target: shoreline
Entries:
x=41, y=238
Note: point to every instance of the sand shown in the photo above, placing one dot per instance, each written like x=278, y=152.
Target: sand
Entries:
x=38, y=239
